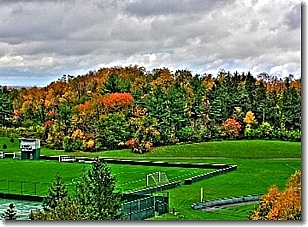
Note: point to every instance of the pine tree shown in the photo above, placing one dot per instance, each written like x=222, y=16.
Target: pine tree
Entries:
x=96, y=194
x=10, y=213
x=56, y=193
x=66, y=209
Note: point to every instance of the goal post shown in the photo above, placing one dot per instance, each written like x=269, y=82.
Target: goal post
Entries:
x=156, y=179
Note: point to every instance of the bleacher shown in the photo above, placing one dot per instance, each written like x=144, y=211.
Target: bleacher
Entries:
x=67, y=158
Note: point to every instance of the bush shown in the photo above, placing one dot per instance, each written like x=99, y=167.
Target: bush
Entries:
x=12, y=140
x=186, y=134
x=294, y=135
x=4, y=146
x=190, y=134
x=265, y=131
x=230, y=128
x=67, y=144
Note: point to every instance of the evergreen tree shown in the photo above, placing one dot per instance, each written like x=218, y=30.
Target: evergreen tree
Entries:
x=218, y=98
x=96, y=195
x=115, y=84
x=6, y=106
x=56, y=193
x=10, y=213
x=259, y=105
x=291, y=109
x=66, y=209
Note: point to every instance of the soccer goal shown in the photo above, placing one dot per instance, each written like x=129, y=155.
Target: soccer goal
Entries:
x=156, y=179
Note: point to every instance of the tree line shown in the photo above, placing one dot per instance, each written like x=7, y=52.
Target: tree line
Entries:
x=113, y=108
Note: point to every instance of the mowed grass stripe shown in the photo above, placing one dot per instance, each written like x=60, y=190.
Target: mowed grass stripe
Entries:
x=133, y=178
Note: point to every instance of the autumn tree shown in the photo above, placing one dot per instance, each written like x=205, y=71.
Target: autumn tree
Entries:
x=281, y=205
x=249, y=119
x=144, y=130
x=230, y=128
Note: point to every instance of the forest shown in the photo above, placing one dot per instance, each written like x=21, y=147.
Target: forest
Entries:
x=120, y=107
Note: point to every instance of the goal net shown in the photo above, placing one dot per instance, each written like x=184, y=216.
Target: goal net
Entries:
x=156, y=179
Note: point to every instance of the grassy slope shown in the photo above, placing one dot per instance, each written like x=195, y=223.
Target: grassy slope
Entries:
x=239, y=149
x=11, y=147
x=244, y=149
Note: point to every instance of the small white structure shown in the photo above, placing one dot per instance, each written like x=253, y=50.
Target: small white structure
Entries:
x=30, y=148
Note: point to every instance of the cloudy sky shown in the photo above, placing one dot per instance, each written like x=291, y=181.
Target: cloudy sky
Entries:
x=40, y=40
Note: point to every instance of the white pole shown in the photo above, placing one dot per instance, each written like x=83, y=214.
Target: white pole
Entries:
x=159, y=176
x=147, y=180
x=201, y=192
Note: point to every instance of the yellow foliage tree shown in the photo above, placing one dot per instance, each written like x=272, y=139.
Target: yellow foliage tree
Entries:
x=250, y=119
x=281, y=205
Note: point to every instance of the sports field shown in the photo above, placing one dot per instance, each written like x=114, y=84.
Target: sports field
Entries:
x=261, y=164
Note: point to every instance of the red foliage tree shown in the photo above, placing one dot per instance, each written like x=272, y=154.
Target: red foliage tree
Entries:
x=117, y=101
x=230, y=128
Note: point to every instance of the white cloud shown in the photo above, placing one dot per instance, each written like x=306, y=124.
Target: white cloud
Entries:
x=50, y=38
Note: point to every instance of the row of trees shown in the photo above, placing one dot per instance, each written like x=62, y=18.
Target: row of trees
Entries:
x=112, y=107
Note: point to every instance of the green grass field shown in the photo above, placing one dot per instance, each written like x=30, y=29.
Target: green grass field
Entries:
x=261, y=164
x=11, y=147
x=34, y=177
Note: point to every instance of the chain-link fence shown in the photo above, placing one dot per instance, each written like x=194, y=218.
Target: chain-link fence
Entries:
x=29, y=188
x=146, y=206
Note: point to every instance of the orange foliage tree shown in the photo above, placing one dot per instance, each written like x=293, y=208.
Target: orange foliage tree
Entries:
x=230, y=128
x=117, y=101
x=281, y=205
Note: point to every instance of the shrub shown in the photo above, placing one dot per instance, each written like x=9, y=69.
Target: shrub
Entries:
x=186, y=134
x=12, y=140
x=4, y=146
x=230, y=128
x=67, y=144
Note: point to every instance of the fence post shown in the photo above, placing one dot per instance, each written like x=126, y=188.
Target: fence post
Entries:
x=130, y=211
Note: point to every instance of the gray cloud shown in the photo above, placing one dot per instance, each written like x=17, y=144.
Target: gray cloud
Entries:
x=162, y=7
x=66, y=37
x=293, y=19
